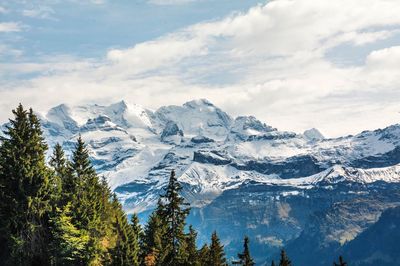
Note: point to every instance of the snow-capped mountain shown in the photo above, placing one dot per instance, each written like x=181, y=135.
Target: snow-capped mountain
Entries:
x=210, y=150
x=227, y=163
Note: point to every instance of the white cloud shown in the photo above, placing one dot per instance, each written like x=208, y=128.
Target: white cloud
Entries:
x=10, y=27
x=6, y=50
x=269, y=61
x=155, y=54
x=42, y=12
x=3, y=10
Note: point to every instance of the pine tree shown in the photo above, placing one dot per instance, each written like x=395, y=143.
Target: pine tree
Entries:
x=87, y=195
x=58, y=163
x=137, y=229
x=126, y=250
x=284, y=261
x=70, y=242
x=245, y=257
x=216, y=252
x=139, y=235
x=341, y=262
x=273, y=263
x=204, y=254
x=25, y=183
x=173, y=214
x=191, y=248
x=153, y=250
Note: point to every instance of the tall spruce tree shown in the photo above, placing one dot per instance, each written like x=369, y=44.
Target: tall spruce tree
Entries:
x=273, y=263
x=69, y=243
x=139, y=235
x=173, y=212
x=58, y=161
x=59, y=164
x=153, y=251
x=216, y=254
x=245, y=257
x=87, y=201
x=126, y=250
x=341, y=262
x=191, y=248
x=284, y=261
x=25, y=183
x=204, y=254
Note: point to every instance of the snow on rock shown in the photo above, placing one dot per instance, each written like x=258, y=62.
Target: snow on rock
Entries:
x=197, y=118
x=245, y=126
x=313, y=134
x=135, y=148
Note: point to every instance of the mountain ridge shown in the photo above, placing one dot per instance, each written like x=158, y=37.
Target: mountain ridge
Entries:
x=225, y=164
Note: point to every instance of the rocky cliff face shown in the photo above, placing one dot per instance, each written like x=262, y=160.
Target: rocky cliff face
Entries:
x=241, y=175
x=377, y=245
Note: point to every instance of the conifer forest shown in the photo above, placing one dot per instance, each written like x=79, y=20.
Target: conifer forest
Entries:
x=59, y=211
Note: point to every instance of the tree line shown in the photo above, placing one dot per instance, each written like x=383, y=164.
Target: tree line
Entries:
x=60, y=212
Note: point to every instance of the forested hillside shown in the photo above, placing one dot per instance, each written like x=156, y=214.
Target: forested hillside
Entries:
x=60, y=212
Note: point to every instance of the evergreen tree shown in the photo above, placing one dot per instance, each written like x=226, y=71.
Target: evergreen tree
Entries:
x=216, y=254
x=58, y=163
x=341, y=262
x=284, y=261
x=126, y=250
x=204, y=254
x=191, y=248
x=70, y=242
x=87, y=201
x=153, y=250
x=273, y=263
x=139, y=235
x=137, y=229
x=25, y=183
x=173, y=214
x=245, y=258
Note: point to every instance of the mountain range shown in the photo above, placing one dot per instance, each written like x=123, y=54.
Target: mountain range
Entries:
x=317, y=197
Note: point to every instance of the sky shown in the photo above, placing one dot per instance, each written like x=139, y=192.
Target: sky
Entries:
x=294, y=64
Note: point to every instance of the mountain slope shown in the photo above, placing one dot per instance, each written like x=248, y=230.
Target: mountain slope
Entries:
x=377, y=245
x=241, y=175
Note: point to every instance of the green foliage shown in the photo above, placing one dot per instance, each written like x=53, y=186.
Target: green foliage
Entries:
x=126, y=250
x=25, y=183
x=139, y=235
x=284, y=261
x=70, y=242
x=204, y=254
x=64, y=214
x=87, y=206
x=245, y=257
x=60, y=214
x=341, y=262
x=192, y=256
x=153, y=247
x=58, y=163
x=173, y=213
x=216, y=254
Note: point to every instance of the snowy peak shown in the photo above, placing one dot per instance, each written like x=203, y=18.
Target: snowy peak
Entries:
x=212, y=152
x=197, y=118
x=130, y=115
x=245, y=126
x=122, y=114
x=199, y=103
x=340, y=173
x=313, y=134
x=61, y=115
